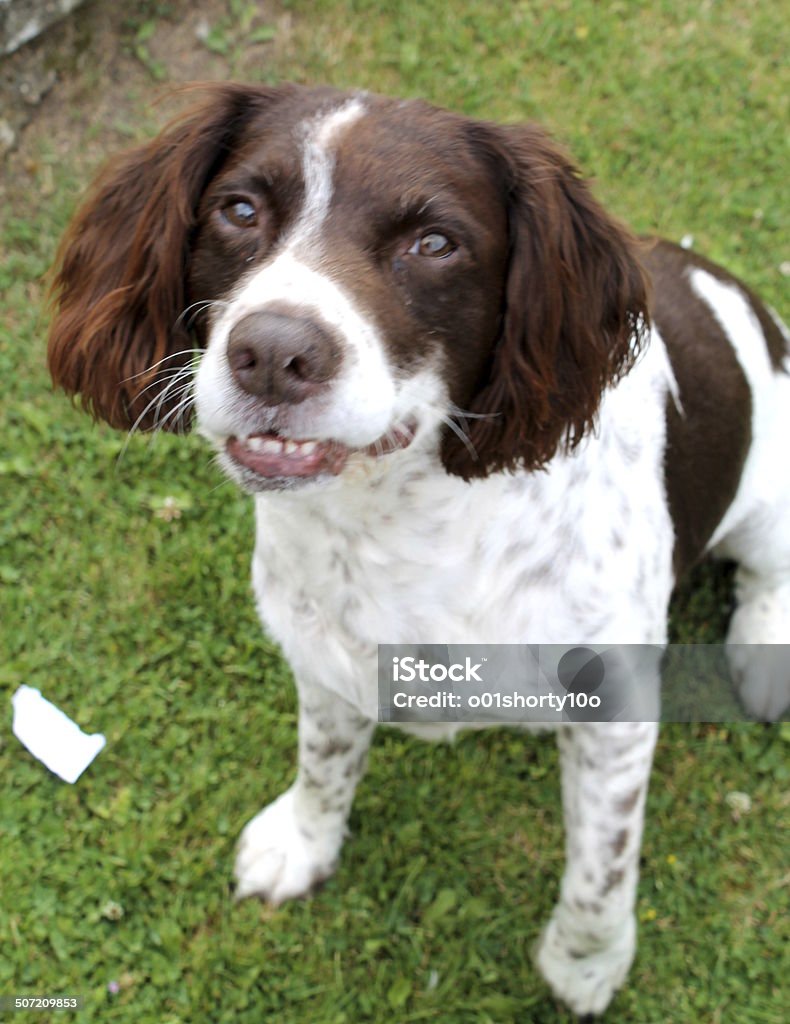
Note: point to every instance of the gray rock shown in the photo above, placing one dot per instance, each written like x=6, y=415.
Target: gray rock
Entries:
x=23, y=20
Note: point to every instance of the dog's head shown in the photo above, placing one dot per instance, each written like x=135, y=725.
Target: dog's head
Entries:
x=359, y=274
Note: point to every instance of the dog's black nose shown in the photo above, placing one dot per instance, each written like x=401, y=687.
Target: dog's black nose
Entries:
x=282, y=357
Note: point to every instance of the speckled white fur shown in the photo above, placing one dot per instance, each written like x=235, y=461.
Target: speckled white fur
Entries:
x=390, y=548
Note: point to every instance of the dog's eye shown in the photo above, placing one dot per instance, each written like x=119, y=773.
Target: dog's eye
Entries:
x=240, y=214
x=433, y=245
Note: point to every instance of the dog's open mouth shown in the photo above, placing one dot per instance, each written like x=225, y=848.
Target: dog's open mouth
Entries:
x=271, y=455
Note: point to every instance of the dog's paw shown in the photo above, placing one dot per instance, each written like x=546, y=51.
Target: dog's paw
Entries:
x=277, y=859
x=585, y=980
x=758, y=649
x=762, y=678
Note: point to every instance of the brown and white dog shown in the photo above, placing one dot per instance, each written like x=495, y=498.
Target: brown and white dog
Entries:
x=471, y=409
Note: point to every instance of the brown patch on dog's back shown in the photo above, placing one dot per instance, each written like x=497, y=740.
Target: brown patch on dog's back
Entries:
x=708, y=442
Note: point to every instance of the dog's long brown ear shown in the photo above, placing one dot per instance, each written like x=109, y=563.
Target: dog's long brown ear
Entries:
x=119, y=293
x=575, y=311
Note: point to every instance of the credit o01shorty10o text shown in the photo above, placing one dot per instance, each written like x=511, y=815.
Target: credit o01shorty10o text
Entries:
x=514, y=700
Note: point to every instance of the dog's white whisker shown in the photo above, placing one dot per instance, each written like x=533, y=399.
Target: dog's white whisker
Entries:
x=197, y=308
x=172, y=355
x=185, y=399
x=184, y=378
x=162, y=381
x=461, y=434
x=155, y=402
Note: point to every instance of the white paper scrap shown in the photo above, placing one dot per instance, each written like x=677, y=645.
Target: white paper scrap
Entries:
x=51, y=736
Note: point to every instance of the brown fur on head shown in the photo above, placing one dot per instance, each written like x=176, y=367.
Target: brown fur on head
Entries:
x=120, y=288
x=574, y=317
x=571, y=322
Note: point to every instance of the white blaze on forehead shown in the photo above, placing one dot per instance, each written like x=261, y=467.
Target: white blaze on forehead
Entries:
x=318, y=163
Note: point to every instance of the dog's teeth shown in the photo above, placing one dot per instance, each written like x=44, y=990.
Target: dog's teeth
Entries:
x=277, y=446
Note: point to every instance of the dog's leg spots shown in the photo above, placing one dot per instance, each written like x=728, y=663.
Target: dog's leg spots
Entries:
x=294, y=843
x=588, y=945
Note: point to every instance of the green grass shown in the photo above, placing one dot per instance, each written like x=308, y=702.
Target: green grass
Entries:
x=141, y=625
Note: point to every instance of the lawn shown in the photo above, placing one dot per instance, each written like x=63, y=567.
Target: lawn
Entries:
x=124, y=593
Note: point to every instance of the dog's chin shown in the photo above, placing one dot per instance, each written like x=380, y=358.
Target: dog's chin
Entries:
x=252, y=483
x=272, y=462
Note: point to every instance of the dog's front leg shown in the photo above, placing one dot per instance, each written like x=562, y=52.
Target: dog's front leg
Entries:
x=588, y=945
x=293, y=844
